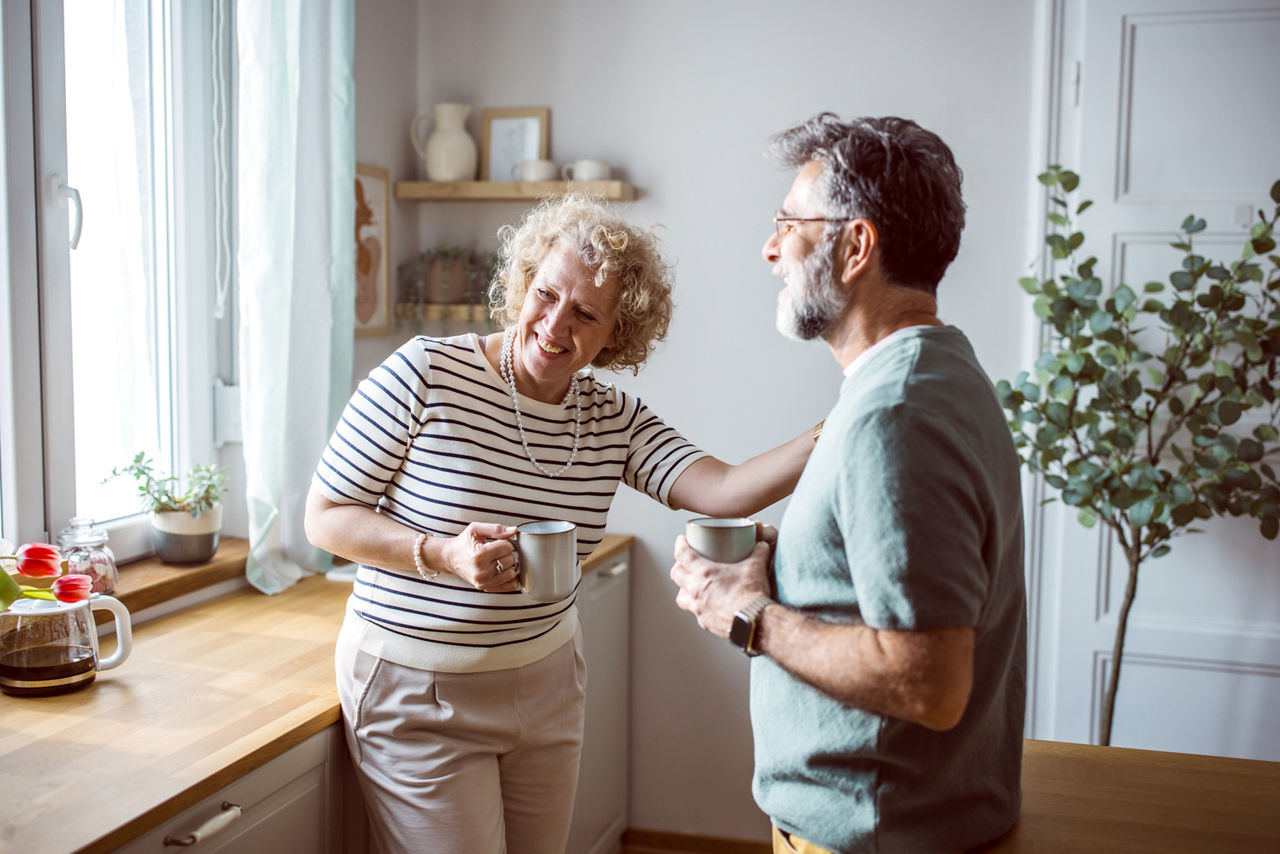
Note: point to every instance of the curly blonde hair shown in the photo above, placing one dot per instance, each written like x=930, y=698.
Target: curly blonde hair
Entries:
x=606, y=244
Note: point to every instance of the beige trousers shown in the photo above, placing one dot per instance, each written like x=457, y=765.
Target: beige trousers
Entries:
x=483, y=763
x=786, y=843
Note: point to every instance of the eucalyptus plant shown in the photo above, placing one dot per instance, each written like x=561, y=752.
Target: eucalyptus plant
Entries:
x=1151, y=411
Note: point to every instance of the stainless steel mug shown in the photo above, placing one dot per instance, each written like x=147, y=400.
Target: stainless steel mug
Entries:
x=721, y=540
x=548, y=552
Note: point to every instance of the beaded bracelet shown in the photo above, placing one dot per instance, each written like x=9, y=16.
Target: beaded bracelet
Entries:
x=417, y=559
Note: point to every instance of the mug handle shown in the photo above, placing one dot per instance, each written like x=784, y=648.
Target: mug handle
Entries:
x=124, y=629
x=566, y=172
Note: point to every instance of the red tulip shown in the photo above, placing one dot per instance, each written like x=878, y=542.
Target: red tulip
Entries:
x=72, y=588
x=39, y=560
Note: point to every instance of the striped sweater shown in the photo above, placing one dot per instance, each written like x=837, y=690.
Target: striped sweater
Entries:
x=430, y=439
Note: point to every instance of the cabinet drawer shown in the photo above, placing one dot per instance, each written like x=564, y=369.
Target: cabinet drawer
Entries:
x=284, y=806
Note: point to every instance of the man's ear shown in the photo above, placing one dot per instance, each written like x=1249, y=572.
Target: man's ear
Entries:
x=857, y=245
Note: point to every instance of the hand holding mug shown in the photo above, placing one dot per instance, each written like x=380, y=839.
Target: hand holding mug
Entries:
x=483, y=555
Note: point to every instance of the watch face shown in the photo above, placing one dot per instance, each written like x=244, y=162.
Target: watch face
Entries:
x=740, y=631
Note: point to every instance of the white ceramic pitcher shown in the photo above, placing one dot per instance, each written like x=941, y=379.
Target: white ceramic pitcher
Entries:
x=448, y=152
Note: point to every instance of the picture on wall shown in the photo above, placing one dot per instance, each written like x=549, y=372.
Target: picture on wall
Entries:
x=510, y=136
x=373, y=297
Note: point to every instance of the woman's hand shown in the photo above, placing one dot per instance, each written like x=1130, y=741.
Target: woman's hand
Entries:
x=484, y=556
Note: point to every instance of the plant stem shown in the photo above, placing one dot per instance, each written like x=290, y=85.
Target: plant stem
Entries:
x=1134, y=559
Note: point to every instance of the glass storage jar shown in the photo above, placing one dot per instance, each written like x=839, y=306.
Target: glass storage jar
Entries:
x=84, y=546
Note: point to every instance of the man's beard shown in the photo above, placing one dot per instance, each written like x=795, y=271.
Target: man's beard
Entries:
x=815, y=302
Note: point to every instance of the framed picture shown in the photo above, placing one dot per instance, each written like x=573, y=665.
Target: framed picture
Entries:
x=510, y=136
x=373, y=221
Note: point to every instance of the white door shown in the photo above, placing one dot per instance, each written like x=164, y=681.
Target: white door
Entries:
x=1165, y=108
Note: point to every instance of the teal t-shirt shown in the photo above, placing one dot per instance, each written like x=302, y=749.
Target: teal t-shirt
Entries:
x=908, y=516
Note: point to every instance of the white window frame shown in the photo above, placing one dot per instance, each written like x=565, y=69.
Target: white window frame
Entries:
x=37, y=477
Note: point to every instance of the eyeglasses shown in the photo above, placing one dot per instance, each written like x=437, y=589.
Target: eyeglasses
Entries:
x=784, y=224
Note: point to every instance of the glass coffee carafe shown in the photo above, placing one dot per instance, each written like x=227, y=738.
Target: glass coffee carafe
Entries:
x=51, y=647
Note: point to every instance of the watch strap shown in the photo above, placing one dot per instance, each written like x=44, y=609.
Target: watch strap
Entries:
x=742, y=633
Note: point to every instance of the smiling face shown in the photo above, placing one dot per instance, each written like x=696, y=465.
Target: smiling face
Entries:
x=565, y=321
x=812, y=300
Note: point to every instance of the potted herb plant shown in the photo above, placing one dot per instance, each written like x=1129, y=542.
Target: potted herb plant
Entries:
x=185, y=524
x=1151, y=412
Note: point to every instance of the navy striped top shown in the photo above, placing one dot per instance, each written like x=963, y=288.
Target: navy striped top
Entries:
x=430, y=439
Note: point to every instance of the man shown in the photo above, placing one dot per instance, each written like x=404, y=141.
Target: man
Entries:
x=887, y=697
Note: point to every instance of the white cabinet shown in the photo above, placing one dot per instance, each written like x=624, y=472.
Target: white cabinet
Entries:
x=291, y=804
x=600, y=812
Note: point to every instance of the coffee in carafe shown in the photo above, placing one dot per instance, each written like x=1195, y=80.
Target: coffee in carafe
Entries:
x=50, y=647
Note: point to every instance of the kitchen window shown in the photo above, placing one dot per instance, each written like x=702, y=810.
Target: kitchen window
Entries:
x=117, y=257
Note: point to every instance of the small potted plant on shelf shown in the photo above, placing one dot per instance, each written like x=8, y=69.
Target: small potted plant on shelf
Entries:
x=184, y=523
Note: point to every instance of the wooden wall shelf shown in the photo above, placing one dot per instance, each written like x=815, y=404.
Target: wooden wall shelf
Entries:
x=462, y=312
x=508, y=191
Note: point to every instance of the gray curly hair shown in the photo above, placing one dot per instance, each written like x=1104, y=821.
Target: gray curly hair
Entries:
x=606, y=244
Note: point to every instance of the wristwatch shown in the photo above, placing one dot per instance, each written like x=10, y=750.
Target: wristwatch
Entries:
x=743, y=631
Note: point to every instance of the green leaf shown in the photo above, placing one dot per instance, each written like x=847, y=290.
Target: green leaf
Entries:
x=1153, y=287
x=1228, y=412
x=10, y=590
x=1124, y=297
x=1086, y=517
x=1237, y=479
x=1069, y=180
x=1077, y=492
x=1141, y=513
x=1084, y=206
x=1030, y=284
x=1057, y=219
x=1181, y=280
x=1270, y=526
x=1100, y=321
x=1061, y=386
x=1193, y=224
x=1275, y=192
x=1161, y=551
x=1262, y=245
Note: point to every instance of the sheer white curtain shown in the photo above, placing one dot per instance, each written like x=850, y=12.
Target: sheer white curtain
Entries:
x=295, y=154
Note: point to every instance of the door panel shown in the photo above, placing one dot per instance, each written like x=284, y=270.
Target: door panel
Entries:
x=1173, y=115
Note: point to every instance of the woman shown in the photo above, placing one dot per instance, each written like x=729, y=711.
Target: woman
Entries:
x=462, y=699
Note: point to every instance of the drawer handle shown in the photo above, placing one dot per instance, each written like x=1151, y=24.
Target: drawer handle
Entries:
x=230, y=812
x=614, y=571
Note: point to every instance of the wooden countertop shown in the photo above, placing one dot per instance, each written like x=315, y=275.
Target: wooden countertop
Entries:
x=208, y=694
x=1086, y=798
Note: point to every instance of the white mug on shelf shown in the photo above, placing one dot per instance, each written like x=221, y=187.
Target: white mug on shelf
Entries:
x=586, y=170
x=534, y=170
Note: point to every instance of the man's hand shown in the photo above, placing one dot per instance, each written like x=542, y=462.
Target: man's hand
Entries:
x=714, y=592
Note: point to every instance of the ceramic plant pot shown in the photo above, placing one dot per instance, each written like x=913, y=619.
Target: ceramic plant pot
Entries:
x=179, y=537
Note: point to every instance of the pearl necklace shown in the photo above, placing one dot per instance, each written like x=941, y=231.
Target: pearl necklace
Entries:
x=505, y=367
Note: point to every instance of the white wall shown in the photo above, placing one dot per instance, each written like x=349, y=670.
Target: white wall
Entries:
x=681, y=96
x=386, y=70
